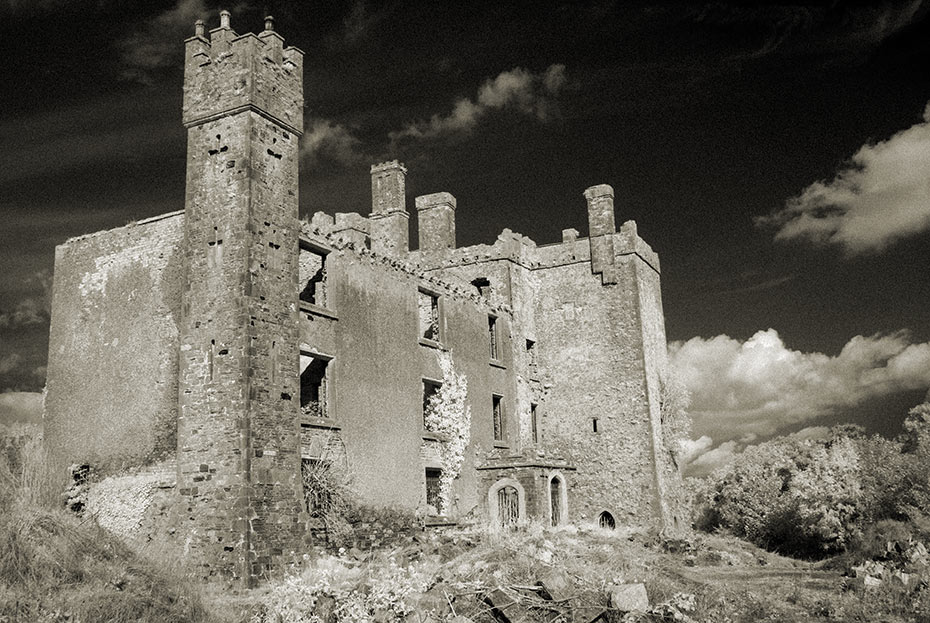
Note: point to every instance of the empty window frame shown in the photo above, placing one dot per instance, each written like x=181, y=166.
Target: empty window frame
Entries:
x=314, y=394
x=531, y=355
x=430, y=403
x=492, y=337
x=433, y=497
x=497, y=414
x=483, y=286
x=311, y=267
x=316, y=476
x=428, y=311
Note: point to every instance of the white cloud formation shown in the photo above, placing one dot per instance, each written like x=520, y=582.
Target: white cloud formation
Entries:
x=527, y=92
x=740, y=390
x=883, y=195
x=708, y=461
x=326, y=138
x=20, y=407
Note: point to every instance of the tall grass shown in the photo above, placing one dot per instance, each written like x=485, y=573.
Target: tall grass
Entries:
x=58, y=567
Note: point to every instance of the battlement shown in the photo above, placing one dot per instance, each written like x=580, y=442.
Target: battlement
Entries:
x=227, y=73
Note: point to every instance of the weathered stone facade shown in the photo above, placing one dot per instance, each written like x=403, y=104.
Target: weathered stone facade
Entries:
x=234, y=343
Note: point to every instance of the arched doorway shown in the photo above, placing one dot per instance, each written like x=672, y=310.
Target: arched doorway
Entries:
x=606, y=520
x=506, y=504
x=558, y=499
x=555, y=498
x=508, y=507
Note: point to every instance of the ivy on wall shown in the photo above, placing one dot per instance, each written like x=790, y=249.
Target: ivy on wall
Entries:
x=448, y=414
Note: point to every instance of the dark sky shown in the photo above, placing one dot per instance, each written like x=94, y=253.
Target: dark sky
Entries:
x=704, y=117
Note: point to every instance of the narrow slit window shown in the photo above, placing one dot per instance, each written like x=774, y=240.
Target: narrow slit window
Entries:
x=531, y=355
x=534, y=422
x=428, y=310
x=313, y=386
x=492, y=336
x=312, y=275
x=594, y=425
x=497, y=413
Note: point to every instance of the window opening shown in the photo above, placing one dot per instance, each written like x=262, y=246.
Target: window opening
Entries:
x=606, y=520
x=492, y=336
x=594, y=424
x=555, y=494
x=312, y=274
x=313, y=394
x=428, y=308
x=316, y=477
x=430, y=400
x=531, y=351
x=497, y=410
x=534, y=423
x=433, y=499
x=483, y=286
x=508, y=506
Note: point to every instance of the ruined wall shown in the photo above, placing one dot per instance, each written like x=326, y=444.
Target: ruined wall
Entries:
x=370, y=328
x=591, y=343
x=113, y=347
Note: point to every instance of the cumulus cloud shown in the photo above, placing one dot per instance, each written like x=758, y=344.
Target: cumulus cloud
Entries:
x=708, y=461
x=34, y=309
x=20, y=407
x=881, y=196
x=331, y=140
x=530, y=93
x=740, y=390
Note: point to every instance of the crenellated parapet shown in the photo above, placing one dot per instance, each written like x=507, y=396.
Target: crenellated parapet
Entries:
x=226, y=73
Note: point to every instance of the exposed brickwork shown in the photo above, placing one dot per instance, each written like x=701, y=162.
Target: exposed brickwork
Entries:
x=238, y=436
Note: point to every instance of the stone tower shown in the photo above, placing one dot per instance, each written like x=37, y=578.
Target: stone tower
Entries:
x=238, y=436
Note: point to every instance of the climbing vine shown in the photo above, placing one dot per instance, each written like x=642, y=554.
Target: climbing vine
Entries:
x=448, y=415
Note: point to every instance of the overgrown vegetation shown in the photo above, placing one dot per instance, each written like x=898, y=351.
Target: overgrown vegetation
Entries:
x=813, y=498
x=58, y=568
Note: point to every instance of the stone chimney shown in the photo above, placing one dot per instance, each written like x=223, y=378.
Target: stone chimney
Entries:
x=436, y=220
x=389, y=219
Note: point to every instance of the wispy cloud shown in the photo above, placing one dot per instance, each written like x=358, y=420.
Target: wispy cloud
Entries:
x=880, y=197
x=361, y=19
x=328, y=139
x=833, y=32
x=155, y=46
x=519, y=89
x=760, y=387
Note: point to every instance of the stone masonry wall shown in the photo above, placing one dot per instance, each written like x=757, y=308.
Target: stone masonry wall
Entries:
x=238, y=428
x=113, y=348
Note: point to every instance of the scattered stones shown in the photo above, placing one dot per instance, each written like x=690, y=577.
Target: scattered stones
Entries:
x=506, y=607
x=555, y=585
x=628, y=597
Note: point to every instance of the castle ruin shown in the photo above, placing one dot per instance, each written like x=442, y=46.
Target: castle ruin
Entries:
x=222, y=348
